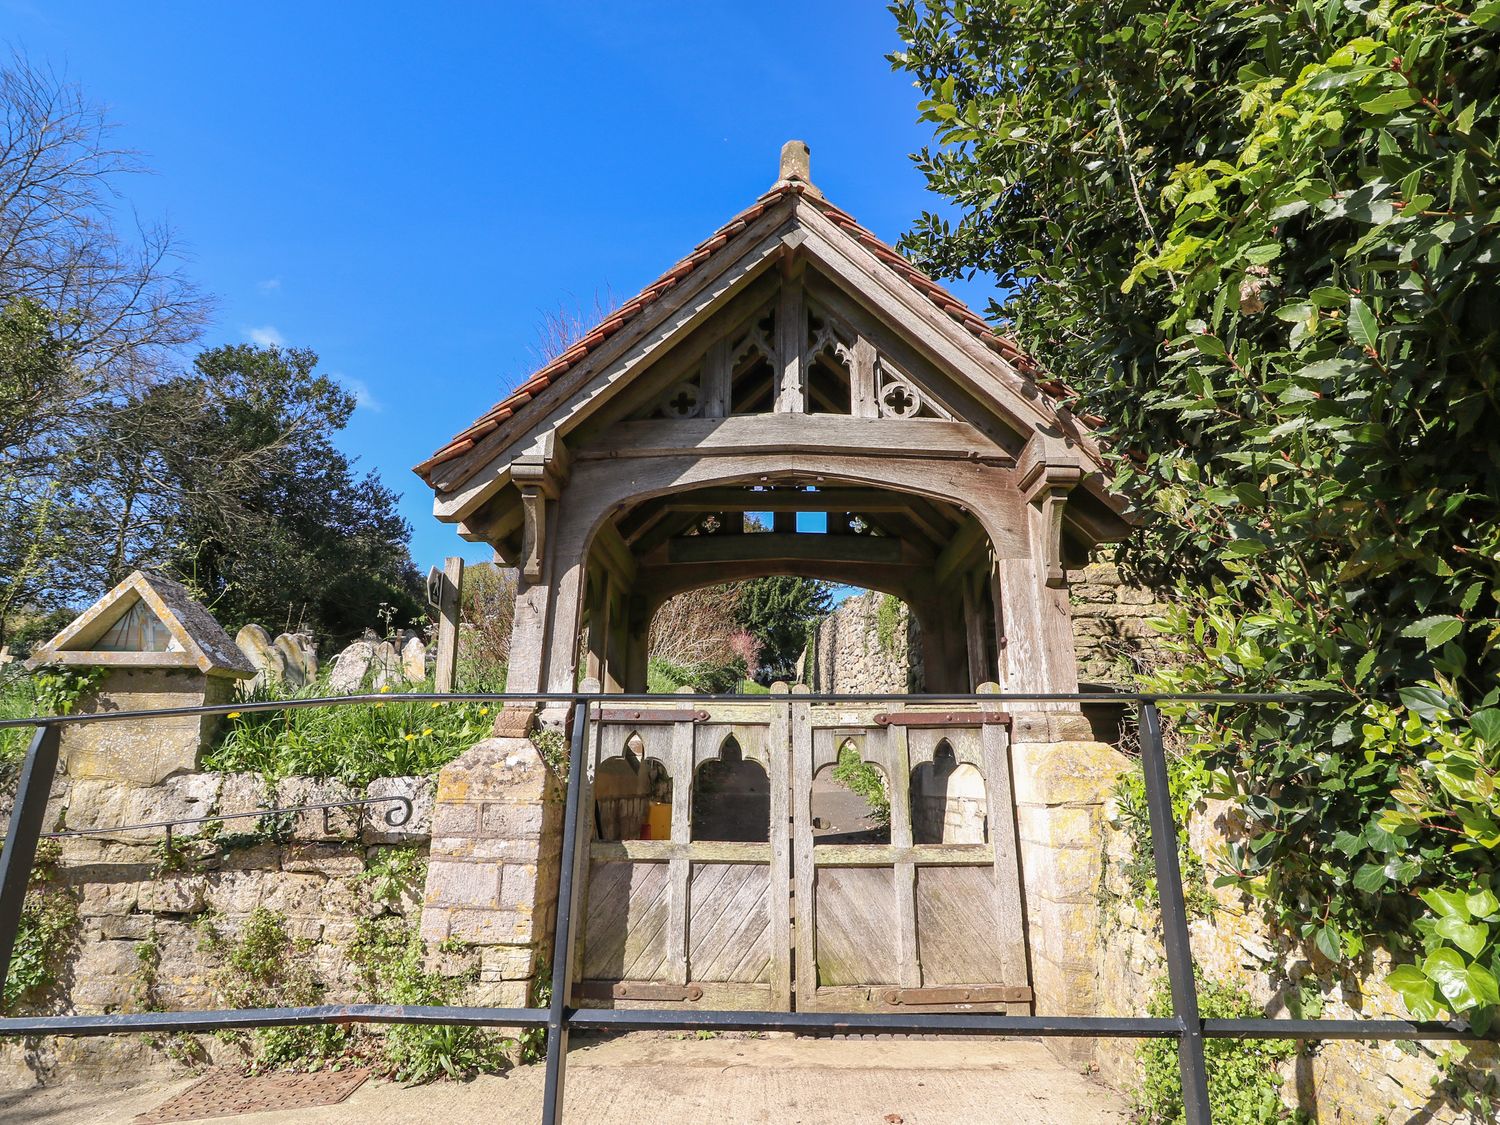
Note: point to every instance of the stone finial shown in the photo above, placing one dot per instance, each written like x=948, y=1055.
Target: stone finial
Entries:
x=796, y=162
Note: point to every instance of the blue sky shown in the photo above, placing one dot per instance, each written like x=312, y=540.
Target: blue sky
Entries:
x=410, y=189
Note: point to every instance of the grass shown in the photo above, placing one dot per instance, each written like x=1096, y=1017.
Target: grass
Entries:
x=355, y=743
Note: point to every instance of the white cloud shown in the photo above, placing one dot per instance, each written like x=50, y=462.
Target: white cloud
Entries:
x=266, y=337
x=269, y=285
x=363, y=398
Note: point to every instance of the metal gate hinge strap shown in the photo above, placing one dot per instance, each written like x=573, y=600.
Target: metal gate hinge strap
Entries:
x=996, y=994
x=943, y=718
x=652, y=715
x=635, y=990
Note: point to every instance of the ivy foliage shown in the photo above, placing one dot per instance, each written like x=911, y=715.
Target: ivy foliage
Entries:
x=1259, y=241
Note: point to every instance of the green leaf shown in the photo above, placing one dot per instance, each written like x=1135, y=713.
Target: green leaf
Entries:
x=1487, y=15
x=1424, y=701
x=1447, y=904
x=1483, y=985
x=1329, y=297
x=1436, y=631
x=1243, y=548
x=1446, y=969
x=1482, y=903
x=1486, y=725
x=1389, y=101
x=1468, y=936
x=1364, y=330
x=1371, y=877
x=1415, y=990
x=1327, y=941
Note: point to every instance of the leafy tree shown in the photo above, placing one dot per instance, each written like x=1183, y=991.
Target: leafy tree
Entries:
x=1259, y=241
x=229, y=476
x=776, y=612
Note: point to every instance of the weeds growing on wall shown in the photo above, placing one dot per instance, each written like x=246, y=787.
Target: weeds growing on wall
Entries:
x=263, y=966
x=355, y=743
x=24, y=693
x=390, y=958
x=48, y=928
x=1243, y=1083
x=1188, y=781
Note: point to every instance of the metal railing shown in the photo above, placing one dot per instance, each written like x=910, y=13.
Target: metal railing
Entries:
x=1185, y=1024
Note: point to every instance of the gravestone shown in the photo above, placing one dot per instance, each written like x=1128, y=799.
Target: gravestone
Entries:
x=350, y=667
x=414, y=659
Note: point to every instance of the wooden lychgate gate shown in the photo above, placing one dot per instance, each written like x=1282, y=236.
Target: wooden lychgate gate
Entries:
x=931, y=921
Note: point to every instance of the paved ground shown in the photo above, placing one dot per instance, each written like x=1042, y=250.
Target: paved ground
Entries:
x=646, y=1080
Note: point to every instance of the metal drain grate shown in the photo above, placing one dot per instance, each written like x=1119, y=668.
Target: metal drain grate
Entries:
x=228, y=1094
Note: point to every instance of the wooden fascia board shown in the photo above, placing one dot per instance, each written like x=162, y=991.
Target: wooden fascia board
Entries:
x=97, y=620
x=784, y=546
x=932, y=438
x=472, y=478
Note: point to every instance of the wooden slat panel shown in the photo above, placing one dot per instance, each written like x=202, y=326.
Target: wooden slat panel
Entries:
x=626, y=921
x=729, y=931
x=856, y=941
x=958, y=929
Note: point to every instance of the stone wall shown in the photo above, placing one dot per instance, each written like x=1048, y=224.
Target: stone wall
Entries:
x=868, y=644
x=1111, y=636
x=147, y=918
x=1348, y=1082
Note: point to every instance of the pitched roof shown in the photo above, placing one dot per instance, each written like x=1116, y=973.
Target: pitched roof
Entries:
x=194, y=637
x=517, y=400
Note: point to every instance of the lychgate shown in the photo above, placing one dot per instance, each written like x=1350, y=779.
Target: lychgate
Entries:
x=796, y=368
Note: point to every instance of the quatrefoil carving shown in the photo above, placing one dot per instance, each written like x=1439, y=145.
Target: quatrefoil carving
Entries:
x=899, y=399
x=682, y=401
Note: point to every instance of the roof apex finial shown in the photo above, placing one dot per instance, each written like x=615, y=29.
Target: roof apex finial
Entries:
x=796, y=162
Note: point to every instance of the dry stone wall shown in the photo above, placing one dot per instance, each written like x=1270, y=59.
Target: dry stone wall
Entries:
x=152, y=924
x=1111, y=635
x=868, y=644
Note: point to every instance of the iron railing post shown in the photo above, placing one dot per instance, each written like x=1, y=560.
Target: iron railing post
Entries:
x=1174, y=922
x=562, y=935
x=32, y=792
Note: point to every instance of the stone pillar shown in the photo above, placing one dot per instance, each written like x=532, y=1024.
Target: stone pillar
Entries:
x=1061, y=784
x=493, y=865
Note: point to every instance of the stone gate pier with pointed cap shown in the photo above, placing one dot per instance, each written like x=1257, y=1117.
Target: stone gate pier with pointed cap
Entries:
x=796, y=398
x=157, y=648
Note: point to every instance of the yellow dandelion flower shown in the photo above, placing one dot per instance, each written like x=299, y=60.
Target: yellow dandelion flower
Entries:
x=484, y=710
x=426, y=730
x=411, y=738
x=386, y=687
x=437, y=704
x=380, y=703
x=234, y=715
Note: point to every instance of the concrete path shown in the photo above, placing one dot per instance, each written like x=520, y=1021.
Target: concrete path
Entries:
x=653, y=1080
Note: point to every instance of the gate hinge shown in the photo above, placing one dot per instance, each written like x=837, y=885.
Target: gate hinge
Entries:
x=993, y=994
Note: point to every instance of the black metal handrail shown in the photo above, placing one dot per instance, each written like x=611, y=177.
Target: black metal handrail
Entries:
x=1186, y=1024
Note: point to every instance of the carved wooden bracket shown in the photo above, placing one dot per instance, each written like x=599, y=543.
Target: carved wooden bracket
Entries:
x=538, y=474
x=1048, y=471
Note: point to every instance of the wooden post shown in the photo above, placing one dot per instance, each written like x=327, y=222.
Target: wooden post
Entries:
x=448, y=608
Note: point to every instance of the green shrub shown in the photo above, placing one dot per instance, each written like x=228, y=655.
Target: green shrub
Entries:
x=1243, y=1083
x=664, y=677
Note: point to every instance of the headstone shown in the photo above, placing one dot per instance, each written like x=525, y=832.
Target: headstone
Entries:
x=414, y=659
x=349, y=668
x=265, y=657
x=295, y=672
x=307, y=653
x=386, y=662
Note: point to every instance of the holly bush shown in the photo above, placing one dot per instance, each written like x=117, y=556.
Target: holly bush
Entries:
x=1256, y=246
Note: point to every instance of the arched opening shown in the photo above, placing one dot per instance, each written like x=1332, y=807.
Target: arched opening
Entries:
x=732, y=798
x=948, y=802
x=851, y=801
x=632, y=796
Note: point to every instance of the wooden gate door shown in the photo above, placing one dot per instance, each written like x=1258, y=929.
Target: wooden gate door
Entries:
x=933, y=920
x=683, y=920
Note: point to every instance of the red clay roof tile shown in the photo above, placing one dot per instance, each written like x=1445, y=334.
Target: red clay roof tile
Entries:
x=541, y=380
